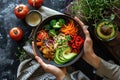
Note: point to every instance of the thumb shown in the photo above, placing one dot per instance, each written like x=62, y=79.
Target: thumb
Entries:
x=33, y=46
x=79, y=21
x=40, y=61
x=86, y=32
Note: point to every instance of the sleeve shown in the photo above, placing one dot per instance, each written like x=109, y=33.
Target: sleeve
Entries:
x=108, y=70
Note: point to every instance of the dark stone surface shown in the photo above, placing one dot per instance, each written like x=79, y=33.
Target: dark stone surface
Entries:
x=8, y=47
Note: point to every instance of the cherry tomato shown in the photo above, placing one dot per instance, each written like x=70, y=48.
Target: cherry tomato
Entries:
x=35, y=3
x=42, y=35
x=16, y=33
x=21, y=11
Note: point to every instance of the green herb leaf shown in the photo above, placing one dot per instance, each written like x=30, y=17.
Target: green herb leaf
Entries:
x=68, y=37
x=94, y=10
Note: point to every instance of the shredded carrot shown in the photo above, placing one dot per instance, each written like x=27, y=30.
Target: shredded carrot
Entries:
x=69, y=29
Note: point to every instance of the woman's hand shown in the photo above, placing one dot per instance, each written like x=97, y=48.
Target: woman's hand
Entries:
x=88, y=45
x=58, y=72
x=89, y=56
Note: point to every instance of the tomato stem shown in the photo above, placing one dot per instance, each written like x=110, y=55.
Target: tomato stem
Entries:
x=20, y=9
x=15, y=31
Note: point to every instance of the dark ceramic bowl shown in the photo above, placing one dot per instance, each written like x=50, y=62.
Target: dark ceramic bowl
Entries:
x=45, y=22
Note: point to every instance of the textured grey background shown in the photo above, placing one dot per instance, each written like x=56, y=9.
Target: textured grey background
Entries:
x=8, y=63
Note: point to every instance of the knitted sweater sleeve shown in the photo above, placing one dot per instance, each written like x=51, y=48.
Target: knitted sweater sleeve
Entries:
x=108, y=70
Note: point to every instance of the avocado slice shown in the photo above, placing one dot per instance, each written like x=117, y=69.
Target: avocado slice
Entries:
x=57, y=57
x=63, y=55
x=69, y=56
x=106, y=30
x=65, y=49
x=62, y=58
x=58, y=61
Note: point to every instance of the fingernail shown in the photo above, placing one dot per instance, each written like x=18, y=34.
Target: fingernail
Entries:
x=74, y=16
x=85, y=26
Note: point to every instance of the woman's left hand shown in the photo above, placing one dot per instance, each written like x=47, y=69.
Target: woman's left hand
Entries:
x=58, y=72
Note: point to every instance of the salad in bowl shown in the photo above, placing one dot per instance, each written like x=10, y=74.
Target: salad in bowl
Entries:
x=59, y=40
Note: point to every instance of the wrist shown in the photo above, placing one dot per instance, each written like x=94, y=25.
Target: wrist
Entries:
x=65, y=77
x=92, y=59
x=61, y=77
x=95, y=62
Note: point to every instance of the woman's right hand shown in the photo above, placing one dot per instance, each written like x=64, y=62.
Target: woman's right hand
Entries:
x=89, y=56
x=88, y=44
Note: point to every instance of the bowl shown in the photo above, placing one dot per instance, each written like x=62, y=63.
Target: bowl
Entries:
x=41, y=26
x=33, y=18
x=106, y=30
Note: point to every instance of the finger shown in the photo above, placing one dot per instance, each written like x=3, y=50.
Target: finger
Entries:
x=79, y=21
x=40, y=61
x=86, y=32
x=33, y=46
x=88, y=38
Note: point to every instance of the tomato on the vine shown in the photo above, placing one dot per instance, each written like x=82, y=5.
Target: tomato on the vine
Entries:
x=16, y=33
x=35, y=3
x=21, y=11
